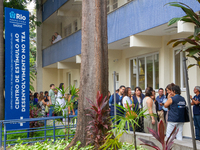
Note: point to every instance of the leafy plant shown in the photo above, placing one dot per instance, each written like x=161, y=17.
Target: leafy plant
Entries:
x=32, y=78
x=46, y=145
x=100, y=123
x=68, y=104
x=112, y=142
x=193, y=40
x=126, y=146
x=77, y=147
x=61, y=145
x=130, y=121
x=160, y=136
x=35, y=113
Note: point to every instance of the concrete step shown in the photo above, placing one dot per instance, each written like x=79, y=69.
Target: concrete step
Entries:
x=185, y=144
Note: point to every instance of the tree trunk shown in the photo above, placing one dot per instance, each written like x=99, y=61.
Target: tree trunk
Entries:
x=1, y=63
x=94, y=62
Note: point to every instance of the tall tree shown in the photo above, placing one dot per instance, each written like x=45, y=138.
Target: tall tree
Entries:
x=94, y=62
x=1, y=63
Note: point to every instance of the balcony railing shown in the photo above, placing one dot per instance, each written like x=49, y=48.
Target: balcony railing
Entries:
x=63, y=49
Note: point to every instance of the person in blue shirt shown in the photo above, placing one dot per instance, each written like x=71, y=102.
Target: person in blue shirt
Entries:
x=196, y=111
x=119, y=97
x=160, y=99
x=138, y=100
x=176, y=115
x=165, y=109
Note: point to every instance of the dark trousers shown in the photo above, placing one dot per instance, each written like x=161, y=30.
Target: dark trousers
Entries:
x=197, y=126
x=165, y=113
x=140, y=128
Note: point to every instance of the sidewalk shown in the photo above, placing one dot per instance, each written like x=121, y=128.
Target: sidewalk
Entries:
x=185, y=144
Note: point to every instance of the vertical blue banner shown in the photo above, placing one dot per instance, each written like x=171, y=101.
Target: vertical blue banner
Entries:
x=16, y=66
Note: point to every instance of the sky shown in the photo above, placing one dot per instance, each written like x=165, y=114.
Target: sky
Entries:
x=31, y=6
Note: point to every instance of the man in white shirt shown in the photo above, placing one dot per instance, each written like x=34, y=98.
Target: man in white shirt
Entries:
x=58, y=37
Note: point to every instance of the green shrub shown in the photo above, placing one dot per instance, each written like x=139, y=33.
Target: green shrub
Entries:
x=47, y=145
x=62, y=144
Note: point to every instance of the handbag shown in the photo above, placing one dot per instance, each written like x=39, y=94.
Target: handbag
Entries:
x=187, y=118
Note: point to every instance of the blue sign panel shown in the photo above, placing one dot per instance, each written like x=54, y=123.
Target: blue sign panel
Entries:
x=16, y=66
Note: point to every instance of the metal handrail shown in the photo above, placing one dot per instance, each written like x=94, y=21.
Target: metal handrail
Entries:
x=36, y=129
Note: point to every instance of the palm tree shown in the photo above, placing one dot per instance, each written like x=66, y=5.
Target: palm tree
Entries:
x=1, y=63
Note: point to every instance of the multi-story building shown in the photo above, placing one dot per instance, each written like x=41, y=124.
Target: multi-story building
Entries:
x=137, y=41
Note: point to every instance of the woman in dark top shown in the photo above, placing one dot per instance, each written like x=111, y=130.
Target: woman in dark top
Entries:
x=137, y=100
x=46, y=96
x=176, y=116
x=35, y=100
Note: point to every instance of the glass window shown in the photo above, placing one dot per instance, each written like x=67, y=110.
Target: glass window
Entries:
x=133, y=65
x=179, y=75
x=144, y=72
x=68, y=30
x=156, y=70
x=115, y=4
x=108, y=5
x=149, y=63
x=141, y=62
x=75, y=25
x=117, y=81
x=177, y=69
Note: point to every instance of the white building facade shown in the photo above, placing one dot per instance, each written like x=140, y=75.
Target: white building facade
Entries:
x=137, y=41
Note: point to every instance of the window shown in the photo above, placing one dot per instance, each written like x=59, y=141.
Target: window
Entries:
x=115, y=4
x=144, y=72
x=108, y=6
x=117, y=80
x=156, y=70
x=133, y=69
x=75, y=25
x=179, y=76
x=68, y=30
x=69, y=81
x=141, y=66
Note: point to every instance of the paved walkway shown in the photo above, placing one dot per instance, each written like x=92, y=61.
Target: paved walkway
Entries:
x=185, y=144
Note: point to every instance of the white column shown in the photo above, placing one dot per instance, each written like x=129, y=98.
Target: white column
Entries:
x=164, y=64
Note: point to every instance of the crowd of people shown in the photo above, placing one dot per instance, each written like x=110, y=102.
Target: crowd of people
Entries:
x=47, y=101
x=55, y=38
x=169, y=106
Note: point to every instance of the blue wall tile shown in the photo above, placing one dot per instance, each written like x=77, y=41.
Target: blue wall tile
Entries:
x=141, y=15
x=50, y=6
x=132, y=18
